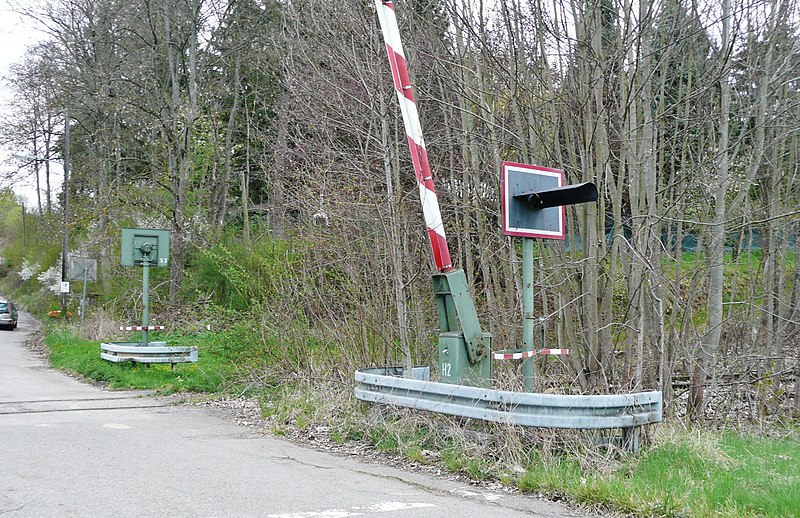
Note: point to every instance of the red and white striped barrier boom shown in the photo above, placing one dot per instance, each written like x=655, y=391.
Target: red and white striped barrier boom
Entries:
x=501, y=355
x=141, y=328
x=405, y=95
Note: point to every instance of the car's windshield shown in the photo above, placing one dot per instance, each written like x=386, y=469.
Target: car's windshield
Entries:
x=3, y=307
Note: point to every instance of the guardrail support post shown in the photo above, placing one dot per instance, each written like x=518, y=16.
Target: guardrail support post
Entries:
x=630, y=438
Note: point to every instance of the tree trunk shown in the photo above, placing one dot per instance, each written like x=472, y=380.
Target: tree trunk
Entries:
x=710, y=342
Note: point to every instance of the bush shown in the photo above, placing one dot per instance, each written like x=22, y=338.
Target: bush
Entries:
x=237, y=276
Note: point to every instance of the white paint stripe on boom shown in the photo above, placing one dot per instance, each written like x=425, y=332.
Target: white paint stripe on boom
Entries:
x=430, y=208
x=391, y=31
x=411, y=119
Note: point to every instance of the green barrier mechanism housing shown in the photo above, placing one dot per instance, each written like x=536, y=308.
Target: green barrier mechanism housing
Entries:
x=146, y=248
x=464, y=348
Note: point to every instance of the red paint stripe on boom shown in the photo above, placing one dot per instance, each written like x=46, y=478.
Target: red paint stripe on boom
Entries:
x=419, y=155
x=405, y=79
x=441, y=254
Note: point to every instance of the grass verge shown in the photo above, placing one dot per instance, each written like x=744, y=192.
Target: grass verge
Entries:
x=691, y=473
x=83, y=357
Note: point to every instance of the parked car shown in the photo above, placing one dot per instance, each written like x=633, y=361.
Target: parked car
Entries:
x=8, y=315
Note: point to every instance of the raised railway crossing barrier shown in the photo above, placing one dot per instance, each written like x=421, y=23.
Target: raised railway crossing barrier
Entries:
x=625, y=411
x=533, y=200
x=145, y=248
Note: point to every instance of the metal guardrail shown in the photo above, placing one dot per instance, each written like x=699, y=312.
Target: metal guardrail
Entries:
x=154, y=352
x=626, y=411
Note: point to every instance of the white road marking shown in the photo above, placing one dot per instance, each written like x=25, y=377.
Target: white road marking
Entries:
x=491, y=497
x=386, y=507
x=335, y=513
x=382, y=507
x=117, y=426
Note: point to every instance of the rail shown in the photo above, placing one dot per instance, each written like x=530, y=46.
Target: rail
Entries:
x=154, y=352
x=625, y=411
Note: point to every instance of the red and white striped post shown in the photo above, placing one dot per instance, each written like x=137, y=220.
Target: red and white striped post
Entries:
x=405, y=95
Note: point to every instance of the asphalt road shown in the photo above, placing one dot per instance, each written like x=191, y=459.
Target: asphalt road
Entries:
x=71, y=449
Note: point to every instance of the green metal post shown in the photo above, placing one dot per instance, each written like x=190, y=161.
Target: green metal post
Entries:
x=145, y=298
x=83, y=298
x=527, y=313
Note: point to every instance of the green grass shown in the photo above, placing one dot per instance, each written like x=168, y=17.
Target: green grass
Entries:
x=696, y=475
x=83, y=357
